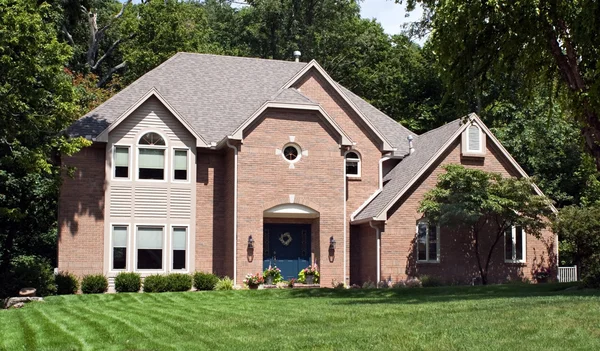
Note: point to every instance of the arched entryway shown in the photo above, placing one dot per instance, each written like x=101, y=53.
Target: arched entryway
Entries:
x=290, y=238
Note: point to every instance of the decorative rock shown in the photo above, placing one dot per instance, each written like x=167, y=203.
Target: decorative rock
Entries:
x=27, y=292
x=18, y=302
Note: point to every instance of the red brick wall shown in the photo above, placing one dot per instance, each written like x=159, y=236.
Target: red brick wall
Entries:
x=363, y=261
x=359, y=190
x=457, y=261
x=210, y=211
x=265, y=180
x=81, y=213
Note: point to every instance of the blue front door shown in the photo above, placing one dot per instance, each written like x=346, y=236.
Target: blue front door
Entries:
x=287, y=246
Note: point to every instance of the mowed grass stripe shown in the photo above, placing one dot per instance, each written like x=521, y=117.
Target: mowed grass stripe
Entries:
x=544, y=317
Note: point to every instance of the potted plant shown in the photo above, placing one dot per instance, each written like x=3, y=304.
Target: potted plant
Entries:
x=272, y=275
x=253, y=281
x=541, y=276
x=310, y=274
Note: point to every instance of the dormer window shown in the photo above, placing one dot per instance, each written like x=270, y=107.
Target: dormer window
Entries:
x=473, y=141
x=151, y=157
x=352, y=164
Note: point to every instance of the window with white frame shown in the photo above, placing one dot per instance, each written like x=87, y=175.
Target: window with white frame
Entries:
x=179, y=247
x=151, y=158
x=352, y=164
x=121, y=162
x=180, y=165
x=119, y=247
x=514, y=244
x=149, y=248
x=428, y=239
x=474, y=138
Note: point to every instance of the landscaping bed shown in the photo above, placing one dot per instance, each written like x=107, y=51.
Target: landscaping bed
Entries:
x=504, y=317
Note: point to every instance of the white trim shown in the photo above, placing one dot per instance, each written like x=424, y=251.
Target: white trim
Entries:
x=357, y=160
x=378, y=256
x=387, y=146
x=111, y=248
x=235, y=207
x=513, y=231
x=103, y=136
x=189, y=164
x=382, y=216
x=238, y=134
x=345, y=202
x=298, y=151
x=291, y=210
x=164, y=248
x=129, y=160
x=427, y=251
x=187, y=248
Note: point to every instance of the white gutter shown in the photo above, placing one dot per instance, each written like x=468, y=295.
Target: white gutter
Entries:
x=378, y=253
x=235, y=207
x=346, y=280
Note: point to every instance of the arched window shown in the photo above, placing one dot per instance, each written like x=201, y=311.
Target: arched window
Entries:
x=352, y=164
x=151, y=159
x=474, y=138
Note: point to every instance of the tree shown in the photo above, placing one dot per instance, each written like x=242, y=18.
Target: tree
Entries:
x=37, y=102
x=487, y=204
x=555, y=40
x=579, y=231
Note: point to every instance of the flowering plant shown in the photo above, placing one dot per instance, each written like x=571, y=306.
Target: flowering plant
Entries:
x=253, y=279
x=312, y=270
x=273, y=272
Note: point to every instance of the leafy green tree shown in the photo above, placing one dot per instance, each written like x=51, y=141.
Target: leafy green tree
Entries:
x=487, y=204
x=555, y=40
x=37, y=101
x=579, y=231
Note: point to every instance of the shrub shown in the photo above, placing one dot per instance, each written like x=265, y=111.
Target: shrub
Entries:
x=179, y=282
x=94, y=284
x=591, y=278
x=205, y=281
x=66, y=283
x=156, y=283
x=401, y=284
x=224, y=284
x=128, y=282
x=429, y=281
x=369, y=285
x=31, y=272
x=413, y=283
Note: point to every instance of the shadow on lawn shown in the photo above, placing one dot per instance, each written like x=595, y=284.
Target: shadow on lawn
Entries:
x=443, y=294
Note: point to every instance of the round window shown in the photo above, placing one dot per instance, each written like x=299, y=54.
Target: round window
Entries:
x=291, y=153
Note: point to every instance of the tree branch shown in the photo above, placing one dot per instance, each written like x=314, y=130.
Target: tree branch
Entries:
x=109, y=51
x=110, y=73
x=68, y=35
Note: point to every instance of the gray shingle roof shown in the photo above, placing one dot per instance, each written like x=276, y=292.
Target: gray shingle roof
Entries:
x=214, y=93
x=426, y=146
x=292, y=95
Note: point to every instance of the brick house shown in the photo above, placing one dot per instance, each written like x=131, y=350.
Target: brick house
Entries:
x=227, y=164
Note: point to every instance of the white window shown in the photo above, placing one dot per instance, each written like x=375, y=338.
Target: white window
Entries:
x=474, y=138
x=150, y=248
x=179, y=248
x=180, y=165
x=119, y=247
x=514, y=245
x=428, y=242
x=151, y=159
x=121, y=162
x=352, y=164
x=292, y=152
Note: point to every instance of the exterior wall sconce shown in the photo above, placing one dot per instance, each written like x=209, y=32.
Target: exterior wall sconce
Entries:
x=332, y=244
x=250, y=242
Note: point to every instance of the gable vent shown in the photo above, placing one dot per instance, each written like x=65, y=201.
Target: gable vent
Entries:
x=474, y=138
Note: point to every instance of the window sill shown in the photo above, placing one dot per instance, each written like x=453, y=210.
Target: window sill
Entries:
x=354, y=178
x=516, y=263
x=473, y=154
x=428, y=262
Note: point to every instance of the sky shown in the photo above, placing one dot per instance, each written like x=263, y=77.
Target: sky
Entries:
x=389, y=14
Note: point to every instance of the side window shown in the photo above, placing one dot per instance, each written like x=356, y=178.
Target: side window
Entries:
x=428, y=237
x=149, y=248
x=179, y=247
x=180, y=165
x=352, y=164
x=119, y=247
x=514, y=245
x=121, y=162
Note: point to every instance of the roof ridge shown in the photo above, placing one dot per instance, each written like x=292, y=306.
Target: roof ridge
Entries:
x=238, y=57
x=440, y=127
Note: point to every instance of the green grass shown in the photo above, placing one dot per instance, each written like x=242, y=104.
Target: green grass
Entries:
x=509, y=317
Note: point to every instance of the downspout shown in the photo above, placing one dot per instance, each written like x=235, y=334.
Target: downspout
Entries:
x=235, y=207
x=346, y=280
x=378, y=232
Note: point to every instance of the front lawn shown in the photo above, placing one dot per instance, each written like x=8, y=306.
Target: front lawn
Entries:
x=510, y=317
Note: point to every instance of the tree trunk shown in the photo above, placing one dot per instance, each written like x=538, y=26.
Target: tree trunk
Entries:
x=482, y=271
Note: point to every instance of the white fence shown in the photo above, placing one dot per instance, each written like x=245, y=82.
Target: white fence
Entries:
x=567, y=274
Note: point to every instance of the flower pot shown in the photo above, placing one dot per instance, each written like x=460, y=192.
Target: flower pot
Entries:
x=252, y=286
x=310, y=279
x=269, y=280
